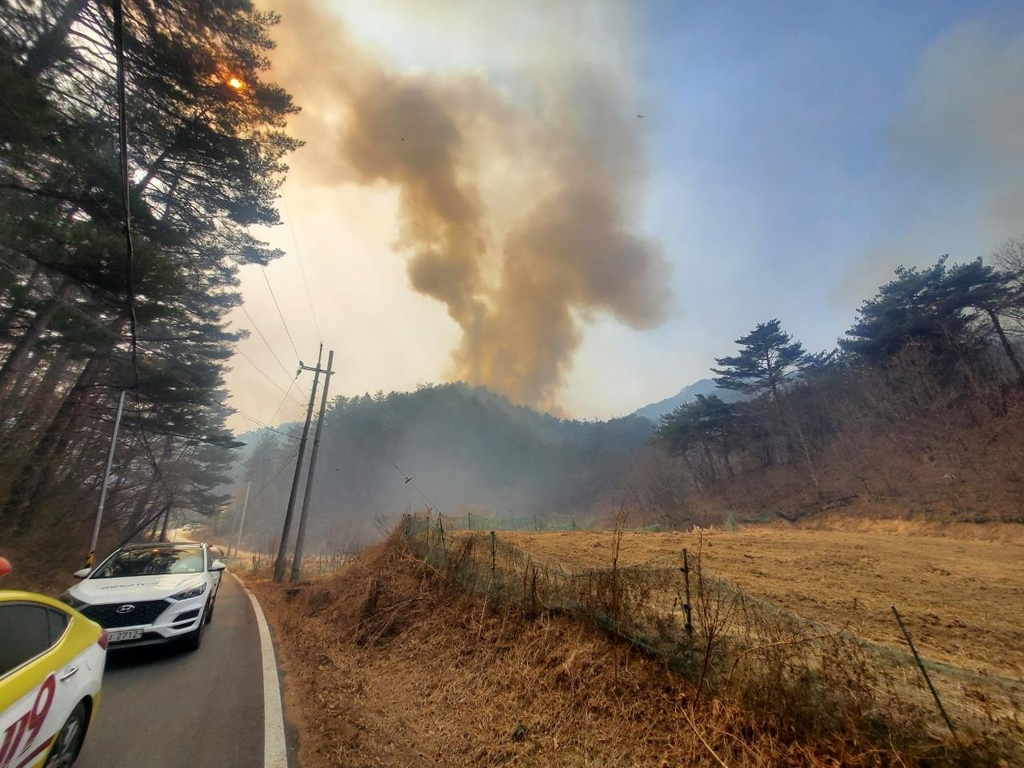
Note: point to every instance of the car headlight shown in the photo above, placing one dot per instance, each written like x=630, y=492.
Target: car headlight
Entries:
x=73, y=601
x=195, y=591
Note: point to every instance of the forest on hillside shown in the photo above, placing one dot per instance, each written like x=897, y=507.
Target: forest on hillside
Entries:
x=449, y=449
x=917, y=411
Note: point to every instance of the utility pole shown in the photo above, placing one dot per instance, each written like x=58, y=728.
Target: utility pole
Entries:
x=297, y=560
x=91, y=558
x=282, y=550
x=241, y=524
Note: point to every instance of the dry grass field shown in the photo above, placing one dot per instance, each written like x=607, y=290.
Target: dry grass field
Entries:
x=959, y=589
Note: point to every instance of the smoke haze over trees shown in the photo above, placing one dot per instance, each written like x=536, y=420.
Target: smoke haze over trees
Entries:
x=463, y=449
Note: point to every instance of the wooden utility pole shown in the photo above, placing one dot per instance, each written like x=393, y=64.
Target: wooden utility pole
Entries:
x=301, y=536
x=282, y=549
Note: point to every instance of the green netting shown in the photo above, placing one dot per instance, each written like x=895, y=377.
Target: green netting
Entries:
x=475, y=522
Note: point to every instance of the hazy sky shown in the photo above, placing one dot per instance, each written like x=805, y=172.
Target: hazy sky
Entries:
x=788, y=157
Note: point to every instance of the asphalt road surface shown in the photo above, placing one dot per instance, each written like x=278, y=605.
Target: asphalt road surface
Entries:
x=161, y=708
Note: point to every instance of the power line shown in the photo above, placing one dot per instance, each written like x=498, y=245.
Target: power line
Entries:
x=273, y=477
x=260, y=333
x=281, y=315
x=298, y=256
x=410, y=481
x=265, y=375
x=281, y=404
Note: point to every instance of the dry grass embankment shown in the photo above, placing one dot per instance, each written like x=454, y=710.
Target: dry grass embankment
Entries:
x=390, y=664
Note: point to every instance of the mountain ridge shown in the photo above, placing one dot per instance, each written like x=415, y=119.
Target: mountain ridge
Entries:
x=706, y=387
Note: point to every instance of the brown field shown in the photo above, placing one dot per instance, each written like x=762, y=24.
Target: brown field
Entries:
x=962, y=598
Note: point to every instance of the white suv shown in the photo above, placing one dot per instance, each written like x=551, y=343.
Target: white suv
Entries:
x=145, y=594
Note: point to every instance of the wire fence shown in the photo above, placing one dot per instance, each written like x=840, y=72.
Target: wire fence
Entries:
x=473, y=521
x=817, y=678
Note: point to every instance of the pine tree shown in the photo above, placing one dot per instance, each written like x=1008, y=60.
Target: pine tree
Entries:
x=768, y=356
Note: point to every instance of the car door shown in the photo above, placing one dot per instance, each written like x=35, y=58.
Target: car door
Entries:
x=32, y=704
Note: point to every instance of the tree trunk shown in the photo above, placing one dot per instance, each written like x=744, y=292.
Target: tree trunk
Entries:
x=147, y=496
x=43, y=397
x=19, y=355
x=11, y=313
x=1007, y=346
x=32, y=480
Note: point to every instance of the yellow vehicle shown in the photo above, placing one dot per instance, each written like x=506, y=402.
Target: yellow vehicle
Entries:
x=51, y=668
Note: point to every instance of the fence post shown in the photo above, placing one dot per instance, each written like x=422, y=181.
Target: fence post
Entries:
x=494, y=550
x=686, y=606
x=924, y=672
x=533, y=592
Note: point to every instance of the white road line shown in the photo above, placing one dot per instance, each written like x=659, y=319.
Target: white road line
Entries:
x=275, y=748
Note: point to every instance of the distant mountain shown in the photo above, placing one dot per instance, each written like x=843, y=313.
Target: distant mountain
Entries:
x=705, y=387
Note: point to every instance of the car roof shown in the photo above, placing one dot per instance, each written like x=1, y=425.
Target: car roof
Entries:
x=165, y=544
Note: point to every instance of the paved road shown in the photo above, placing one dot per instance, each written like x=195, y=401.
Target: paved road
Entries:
x=165, y=709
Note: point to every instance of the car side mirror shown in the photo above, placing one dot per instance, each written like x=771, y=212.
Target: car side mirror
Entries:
x=217, y=565
x=81, y=573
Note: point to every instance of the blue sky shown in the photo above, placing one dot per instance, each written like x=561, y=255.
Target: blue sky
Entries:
x=796, y=153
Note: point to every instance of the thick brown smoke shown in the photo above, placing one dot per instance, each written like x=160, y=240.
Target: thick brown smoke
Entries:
x=514, y=215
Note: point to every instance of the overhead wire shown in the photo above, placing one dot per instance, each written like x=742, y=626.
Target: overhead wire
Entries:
x=410, y=481
x=298, y=257
x=270, y=348
x=281, y=404
x=281, y=315
x=265, y=375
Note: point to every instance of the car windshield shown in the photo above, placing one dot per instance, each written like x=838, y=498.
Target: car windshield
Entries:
x=152, y=562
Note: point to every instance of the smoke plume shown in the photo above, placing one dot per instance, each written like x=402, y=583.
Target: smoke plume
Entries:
x=515, y=206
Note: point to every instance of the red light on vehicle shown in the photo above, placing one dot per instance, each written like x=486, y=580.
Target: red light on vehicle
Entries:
x=104, y=638
x=5, y=566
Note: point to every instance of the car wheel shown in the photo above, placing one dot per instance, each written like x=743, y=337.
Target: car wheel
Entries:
x=68, y=743
x=194, y=639
x=209, y=611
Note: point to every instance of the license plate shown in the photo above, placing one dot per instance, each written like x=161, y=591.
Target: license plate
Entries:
x=125, y=634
